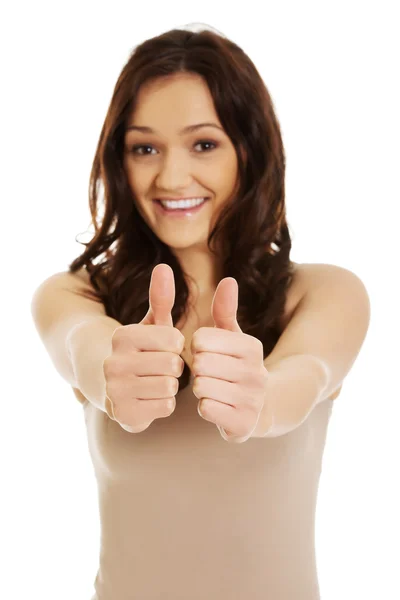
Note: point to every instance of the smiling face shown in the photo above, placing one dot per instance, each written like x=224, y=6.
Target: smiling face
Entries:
x=170, y=163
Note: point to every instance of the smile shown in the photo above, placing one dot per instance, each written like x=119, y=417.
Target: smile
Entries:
x=178, y=212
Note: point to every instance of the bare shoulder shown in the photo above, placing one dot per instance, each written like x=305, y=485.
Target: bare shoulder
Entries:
x=308, y=277
x=316, y=274
x=80, y=279
x=83, y=275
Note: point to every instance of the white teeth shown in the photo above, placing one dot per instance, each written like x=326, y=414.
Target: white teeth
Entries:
x=182, y=203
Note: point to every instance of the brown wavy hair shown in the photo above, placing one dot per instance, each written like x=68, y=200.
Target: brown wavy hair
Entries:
x=123, y=251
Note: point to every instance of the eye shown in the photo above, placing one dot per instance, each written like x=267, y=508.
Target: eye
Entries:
x=206, y=142
x=137, y=147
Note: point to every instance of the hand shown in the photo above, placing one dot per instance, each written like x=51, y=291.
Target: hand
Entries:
x=143, y=368
x=230, y=376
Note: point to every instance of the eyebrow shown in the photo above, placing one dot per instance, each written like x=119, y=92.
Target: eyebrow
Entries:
x=188, y=129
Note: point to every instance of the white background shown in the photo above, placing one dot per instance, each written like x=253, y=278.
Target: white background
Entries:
x=332, y=72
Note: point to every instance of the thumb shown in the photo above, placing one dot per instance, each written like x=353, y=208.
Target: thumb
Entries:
x=161, y=296
x=225, y=304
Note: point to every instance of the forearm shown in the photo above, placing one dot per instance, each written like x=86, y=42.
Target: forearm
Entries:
x=295, y=386
x=89, y=343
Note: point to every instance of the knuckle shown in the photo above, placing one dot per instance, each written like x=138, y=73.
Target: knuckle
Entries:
x=205, y=409
x=111, y=393
x=116, y=337
x=198, y=363
x=253, y=404
x=176, y=364
x=260, y=378
x=170, y=405
x=116, y=367
x=109, y=366
x=130, y=429
x=258, y=381
x=172, y=386
x=197, y=338
x=106, y=366
x=178, y=340
x=125, y=335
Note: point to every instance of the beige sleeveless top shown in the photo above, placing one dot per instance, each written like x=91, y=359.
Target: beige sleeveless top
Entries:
x=186, y=515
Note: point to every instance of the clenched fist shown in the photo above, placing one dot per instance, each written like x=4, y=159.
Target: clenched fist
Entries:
x=231, y=381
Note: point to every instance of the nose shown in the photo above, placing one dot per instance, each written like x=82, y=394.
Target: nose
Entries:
x=174, y=173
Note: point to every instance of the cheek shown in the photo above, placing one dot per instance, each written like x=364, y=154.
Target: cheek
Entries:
x=143, y=211
x=135, y=179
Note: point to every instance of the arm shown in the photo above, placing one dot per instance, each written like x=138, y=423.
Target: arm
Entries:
x=295, y=385
x=76, y=333
x=316, y=350
x=88, y=344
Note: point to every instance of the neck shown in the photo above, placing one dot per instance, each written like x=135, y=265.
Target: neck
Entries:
x=204, y=270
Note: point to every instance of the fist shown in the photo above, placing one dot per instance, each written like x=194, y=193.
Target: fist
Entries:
x=230, y=377
x=142, y=371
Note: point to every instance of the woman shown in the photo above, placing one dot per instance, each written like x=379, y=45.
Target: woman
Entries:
x=194, y=343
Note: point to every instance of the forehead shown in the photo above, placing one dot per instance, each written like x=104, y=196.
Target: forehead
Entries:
x=172, y=102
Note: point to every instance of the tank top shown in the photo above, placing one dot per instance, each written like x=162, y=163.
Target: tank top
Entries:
x=186, y=515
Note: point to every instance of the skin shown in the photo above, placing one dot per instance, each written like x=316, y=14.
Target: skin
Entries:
x=227, y=362
x=175, y=165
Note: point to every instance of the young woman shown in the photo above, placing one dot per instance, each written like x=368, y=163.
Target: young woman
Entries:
x=206, y=360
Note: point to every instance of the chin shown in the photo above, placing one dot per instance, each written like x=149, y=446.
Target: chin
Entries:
x=176, y=245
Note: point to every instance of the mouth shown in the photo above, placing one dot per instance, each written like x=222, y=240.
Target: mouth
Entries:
x=179, y=212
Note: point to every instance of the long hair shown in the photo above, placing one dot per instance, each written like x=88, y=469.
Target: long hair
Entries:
x=123, y=251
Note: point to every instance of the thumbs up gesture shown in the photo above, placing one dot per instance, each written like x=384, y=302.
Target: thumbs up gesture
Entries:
x=230, y=376
x=143, y=369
